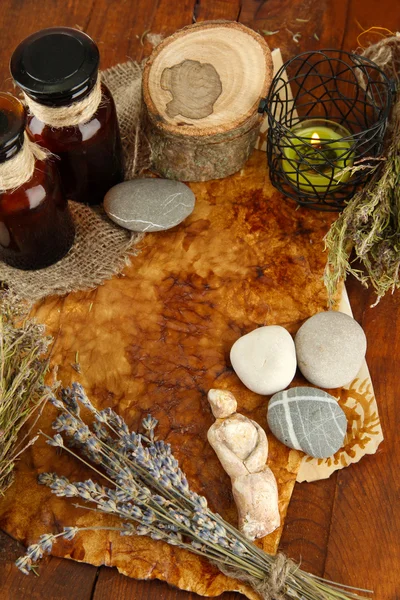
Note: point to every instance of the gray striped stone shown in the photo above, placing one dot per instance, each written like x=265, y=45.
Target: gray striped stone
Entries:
x=307, y=419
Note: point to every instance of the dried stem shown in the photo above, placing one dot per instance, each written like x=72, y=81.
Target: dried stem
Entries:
x=23, y=365
x=370, y=223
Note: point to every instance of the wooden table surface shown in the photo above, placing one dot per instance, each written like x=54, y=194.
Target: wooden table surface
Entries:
x=348, y=527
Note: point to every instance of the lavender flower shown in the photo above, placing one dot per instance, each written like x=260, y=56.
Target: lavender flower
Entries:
x=46, y=542
x=142, y=530
x=70, y=532
x=101, y=432
x=67, y=423
x=149, y=424
x=56, y=441
x=200, y=501
x=128, y=529
x=24, y=564
x=56, y=403
x=89, y=490
x=76, y=394
x=47, y=478
x=35, y=552
x=159, y=500
x=136, y=513
x=58, y=485
x=71, y=491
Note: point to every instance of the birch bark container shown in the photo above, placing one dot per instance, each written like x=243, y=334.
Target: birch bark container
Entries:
x=201, y=89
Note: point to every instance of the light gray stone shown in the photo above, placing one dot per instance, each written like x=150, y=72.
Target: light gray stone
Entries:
x=330, y=348
x=149, y=204
x=265, y=359
x=307, y=419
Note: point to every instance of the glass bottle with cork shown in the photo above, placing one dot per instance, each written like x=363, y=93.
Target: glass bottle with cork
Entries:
x=36, y=228
x=71, y=113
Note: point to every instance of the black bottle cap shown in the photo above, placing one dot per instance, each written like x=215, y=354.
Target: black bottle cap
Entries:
x=56, y=66
x=12, y=126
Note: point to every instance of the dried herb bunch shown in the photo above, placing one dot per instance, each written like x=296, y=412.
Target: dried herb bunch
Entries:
x=370, y=223
x=23, y=349
x=139, y=480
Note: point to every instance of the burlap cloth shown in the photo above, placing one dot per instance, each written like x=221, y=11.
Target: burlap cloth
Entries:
x=101, y=249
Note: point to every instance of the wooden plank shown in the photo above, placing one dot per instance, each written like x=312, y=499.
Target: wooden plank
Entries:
x=119, y=29
x=363, y=547
x=169, y=17
x=59, y=579
x=111, y=584
x=363, y=14
x=314, y=24
x=210, y=10
x=19, y=19
x=307, y=526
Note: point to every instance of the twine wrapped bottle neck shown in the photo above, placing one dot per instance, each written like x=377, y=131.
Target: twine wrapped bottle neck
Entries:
x=19, y=169
x=67, y=116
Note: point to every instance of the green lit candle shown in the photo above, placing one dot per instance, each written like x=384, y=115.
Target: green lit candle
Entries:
x=315, y=156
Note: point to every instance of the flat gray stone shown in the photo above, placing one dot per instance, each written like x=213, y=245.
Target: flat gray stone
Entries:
x=307, y=419
x=330, y=349
x=149, y=204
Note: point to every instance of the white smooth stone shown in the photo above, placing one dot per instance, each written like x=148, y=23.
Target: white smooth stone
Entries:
x=265, y=359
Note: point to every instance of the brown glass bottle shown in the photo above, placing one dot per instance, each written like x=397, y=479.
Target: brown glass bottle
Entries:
x=58, y=67
x=36, y=228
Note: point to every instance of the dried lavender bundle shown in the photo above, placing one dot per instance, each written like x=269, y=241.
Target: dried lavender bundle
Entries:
x=23, y=349
x=147, y=490
x=370, y=223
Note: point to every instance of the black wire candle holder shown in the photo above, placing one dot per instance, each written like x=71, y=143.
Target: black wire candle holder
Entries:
x=327, y=114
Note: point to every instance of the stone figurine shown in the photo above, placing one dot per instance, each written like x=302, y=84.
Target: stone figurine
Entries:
x=242, y=448
x=194, y=86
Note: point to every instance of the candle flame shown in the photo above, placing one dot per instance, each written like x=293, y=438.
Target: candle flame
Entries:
x=315, y=139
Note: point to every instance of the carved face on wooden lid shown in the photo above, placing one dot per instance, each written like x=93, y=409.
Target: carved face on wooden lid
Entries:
x=194, y=87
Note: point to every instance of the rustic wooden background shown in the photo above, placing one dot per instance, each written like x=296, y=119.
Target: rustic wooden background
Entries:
x=347, y=528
